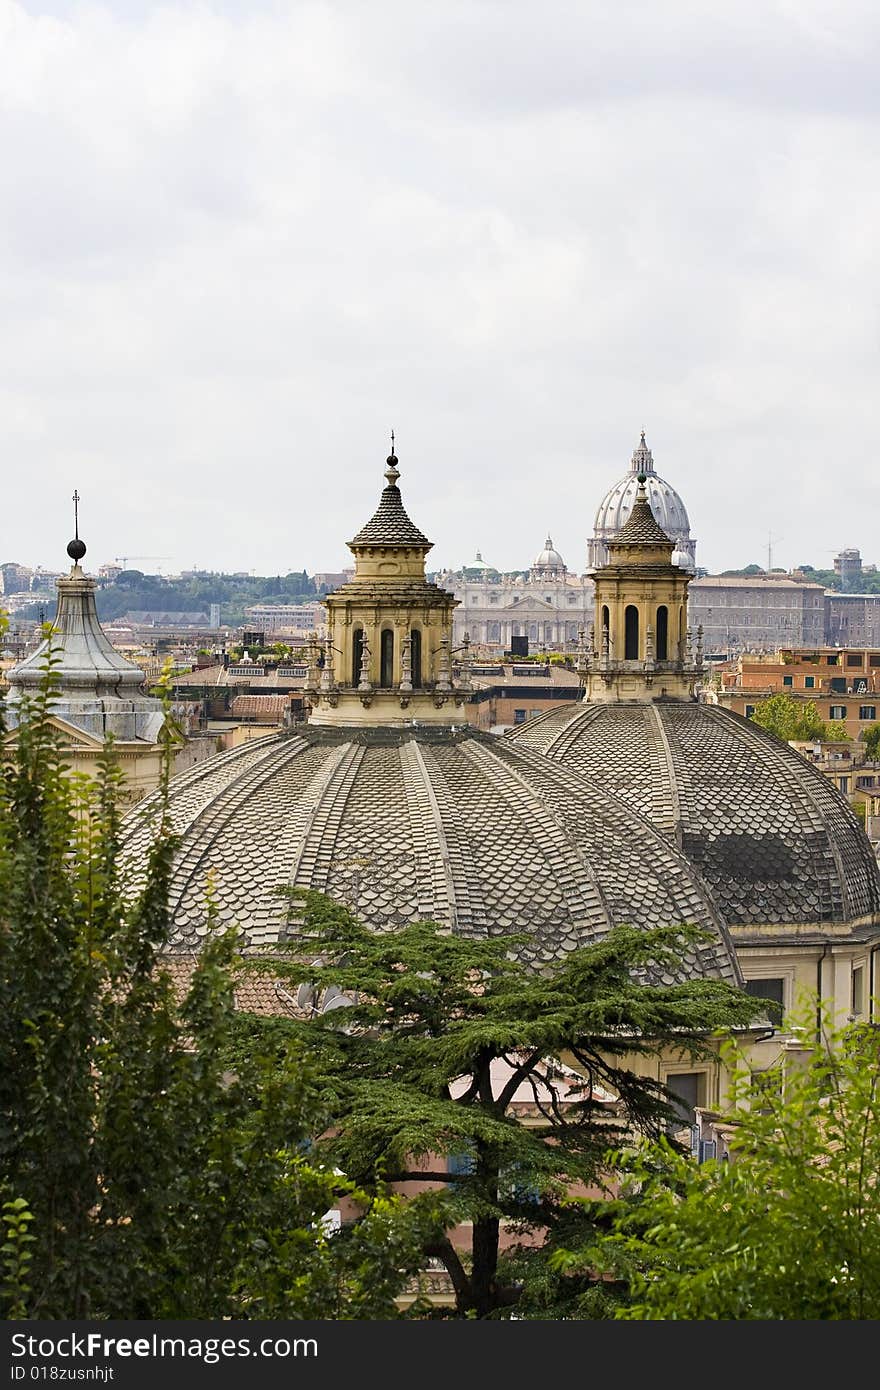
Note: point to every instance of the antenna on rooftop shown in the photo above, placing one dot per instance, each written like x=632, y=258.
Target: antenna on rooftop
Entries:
x=771, y=540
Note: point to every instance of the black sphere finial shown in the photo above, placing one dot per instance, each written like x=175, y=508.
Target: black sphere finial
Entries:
x=76, y=549
x=392, y=457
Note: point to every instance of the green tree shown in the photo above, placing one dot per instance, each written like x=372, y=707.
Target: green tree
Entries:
x=140, y=1176
x=442, y=1037
x=872, y=742
x=789, y=1229
x=788, y=718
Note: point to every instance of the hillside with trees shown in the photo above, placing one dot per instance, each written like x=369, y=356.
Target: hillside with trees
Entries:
x=134, y=591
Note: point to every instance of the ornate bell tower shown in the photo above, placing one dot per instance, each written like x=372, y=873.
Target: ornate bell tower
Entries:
x=388, y=656
x=640, y=646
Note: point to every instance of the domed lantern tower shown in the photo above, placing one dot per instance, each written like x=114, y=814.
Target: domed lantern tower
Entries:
x=640, y=643
x=388, y=657
x=96, y=692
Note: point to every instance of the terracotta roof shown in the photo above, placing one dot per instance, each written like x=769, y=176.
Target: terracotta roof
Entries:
x=260, y=704
x=255, y=992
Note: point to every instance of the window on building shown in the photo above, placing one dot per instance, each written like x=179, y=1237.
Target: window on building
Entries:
x=663, y=633
x=771, y=989
x=809, y=682
x=519, y=716
x=631, y=633
x=460, y=1165
x=750, y=710
x=357, y=650
x=857, y=990
x=844, y=785
x=874, y=658
x=386, y=665
x=853, y=658
x=415, y=654
x=866, y=782
x=837, y=712
x=838, y=684
x=689, y=1090
x=868, y=712
x=788, y=680
x=832, y=660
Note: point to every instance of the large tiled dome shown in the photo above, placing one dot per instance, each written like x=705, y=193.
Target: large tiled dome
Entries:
x=774, y=840
x=464, y=829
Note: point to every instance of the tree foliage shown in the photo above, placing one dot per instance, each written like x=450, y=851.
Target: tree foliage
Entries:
x=140, y=1177
x=789, y=1229
x=788, y=718
x=443, y=1040
x=133, y=590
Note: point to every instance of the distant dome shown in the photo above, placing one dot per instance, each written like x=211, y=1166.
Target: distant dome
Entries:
x=614, y=509
x=682, y=559
x=548, y=564
x=452, y=826
x=773, y=839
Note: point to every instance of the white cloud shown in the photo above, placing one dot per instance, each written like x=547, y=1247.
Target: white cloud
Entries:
x=239, y=242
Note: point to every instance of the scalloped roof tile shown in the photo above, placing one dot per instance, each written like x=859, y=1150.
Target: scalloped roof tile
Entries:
x=641, y=527
x=389, y=524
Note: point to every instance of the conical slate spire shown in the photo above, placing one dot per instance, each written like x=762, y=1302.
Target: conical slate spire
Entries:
x=641, y=526
x=389, y=525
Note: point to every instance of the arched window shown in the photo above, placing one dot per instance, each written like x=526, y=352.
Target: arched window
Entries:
x=631, y=633
x=606, y=617
x=357, y=654
x=663, y=633
x=415, y=656
x=386, y=665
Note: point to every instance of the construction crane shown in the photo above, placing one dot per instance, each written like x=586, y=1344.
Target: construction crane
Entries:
x=124, y=559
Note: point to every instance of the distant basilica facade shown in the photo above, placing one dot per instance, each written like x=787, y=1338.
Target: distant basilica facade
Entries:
x=549, y=605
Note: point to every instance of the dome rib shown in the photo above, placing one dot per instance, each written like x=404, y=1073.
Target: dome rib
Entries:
x=456, y=827
x=776, y=843
x=469, y=908
x=557, y=837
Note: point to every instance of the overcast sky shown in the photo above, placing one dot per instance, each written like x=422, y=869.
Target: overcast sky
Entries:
x=241, y=241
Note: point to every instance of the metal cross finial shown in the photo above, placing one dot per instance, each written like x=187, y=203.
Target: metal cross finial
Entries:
x=76, y=499
x=392, y=441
